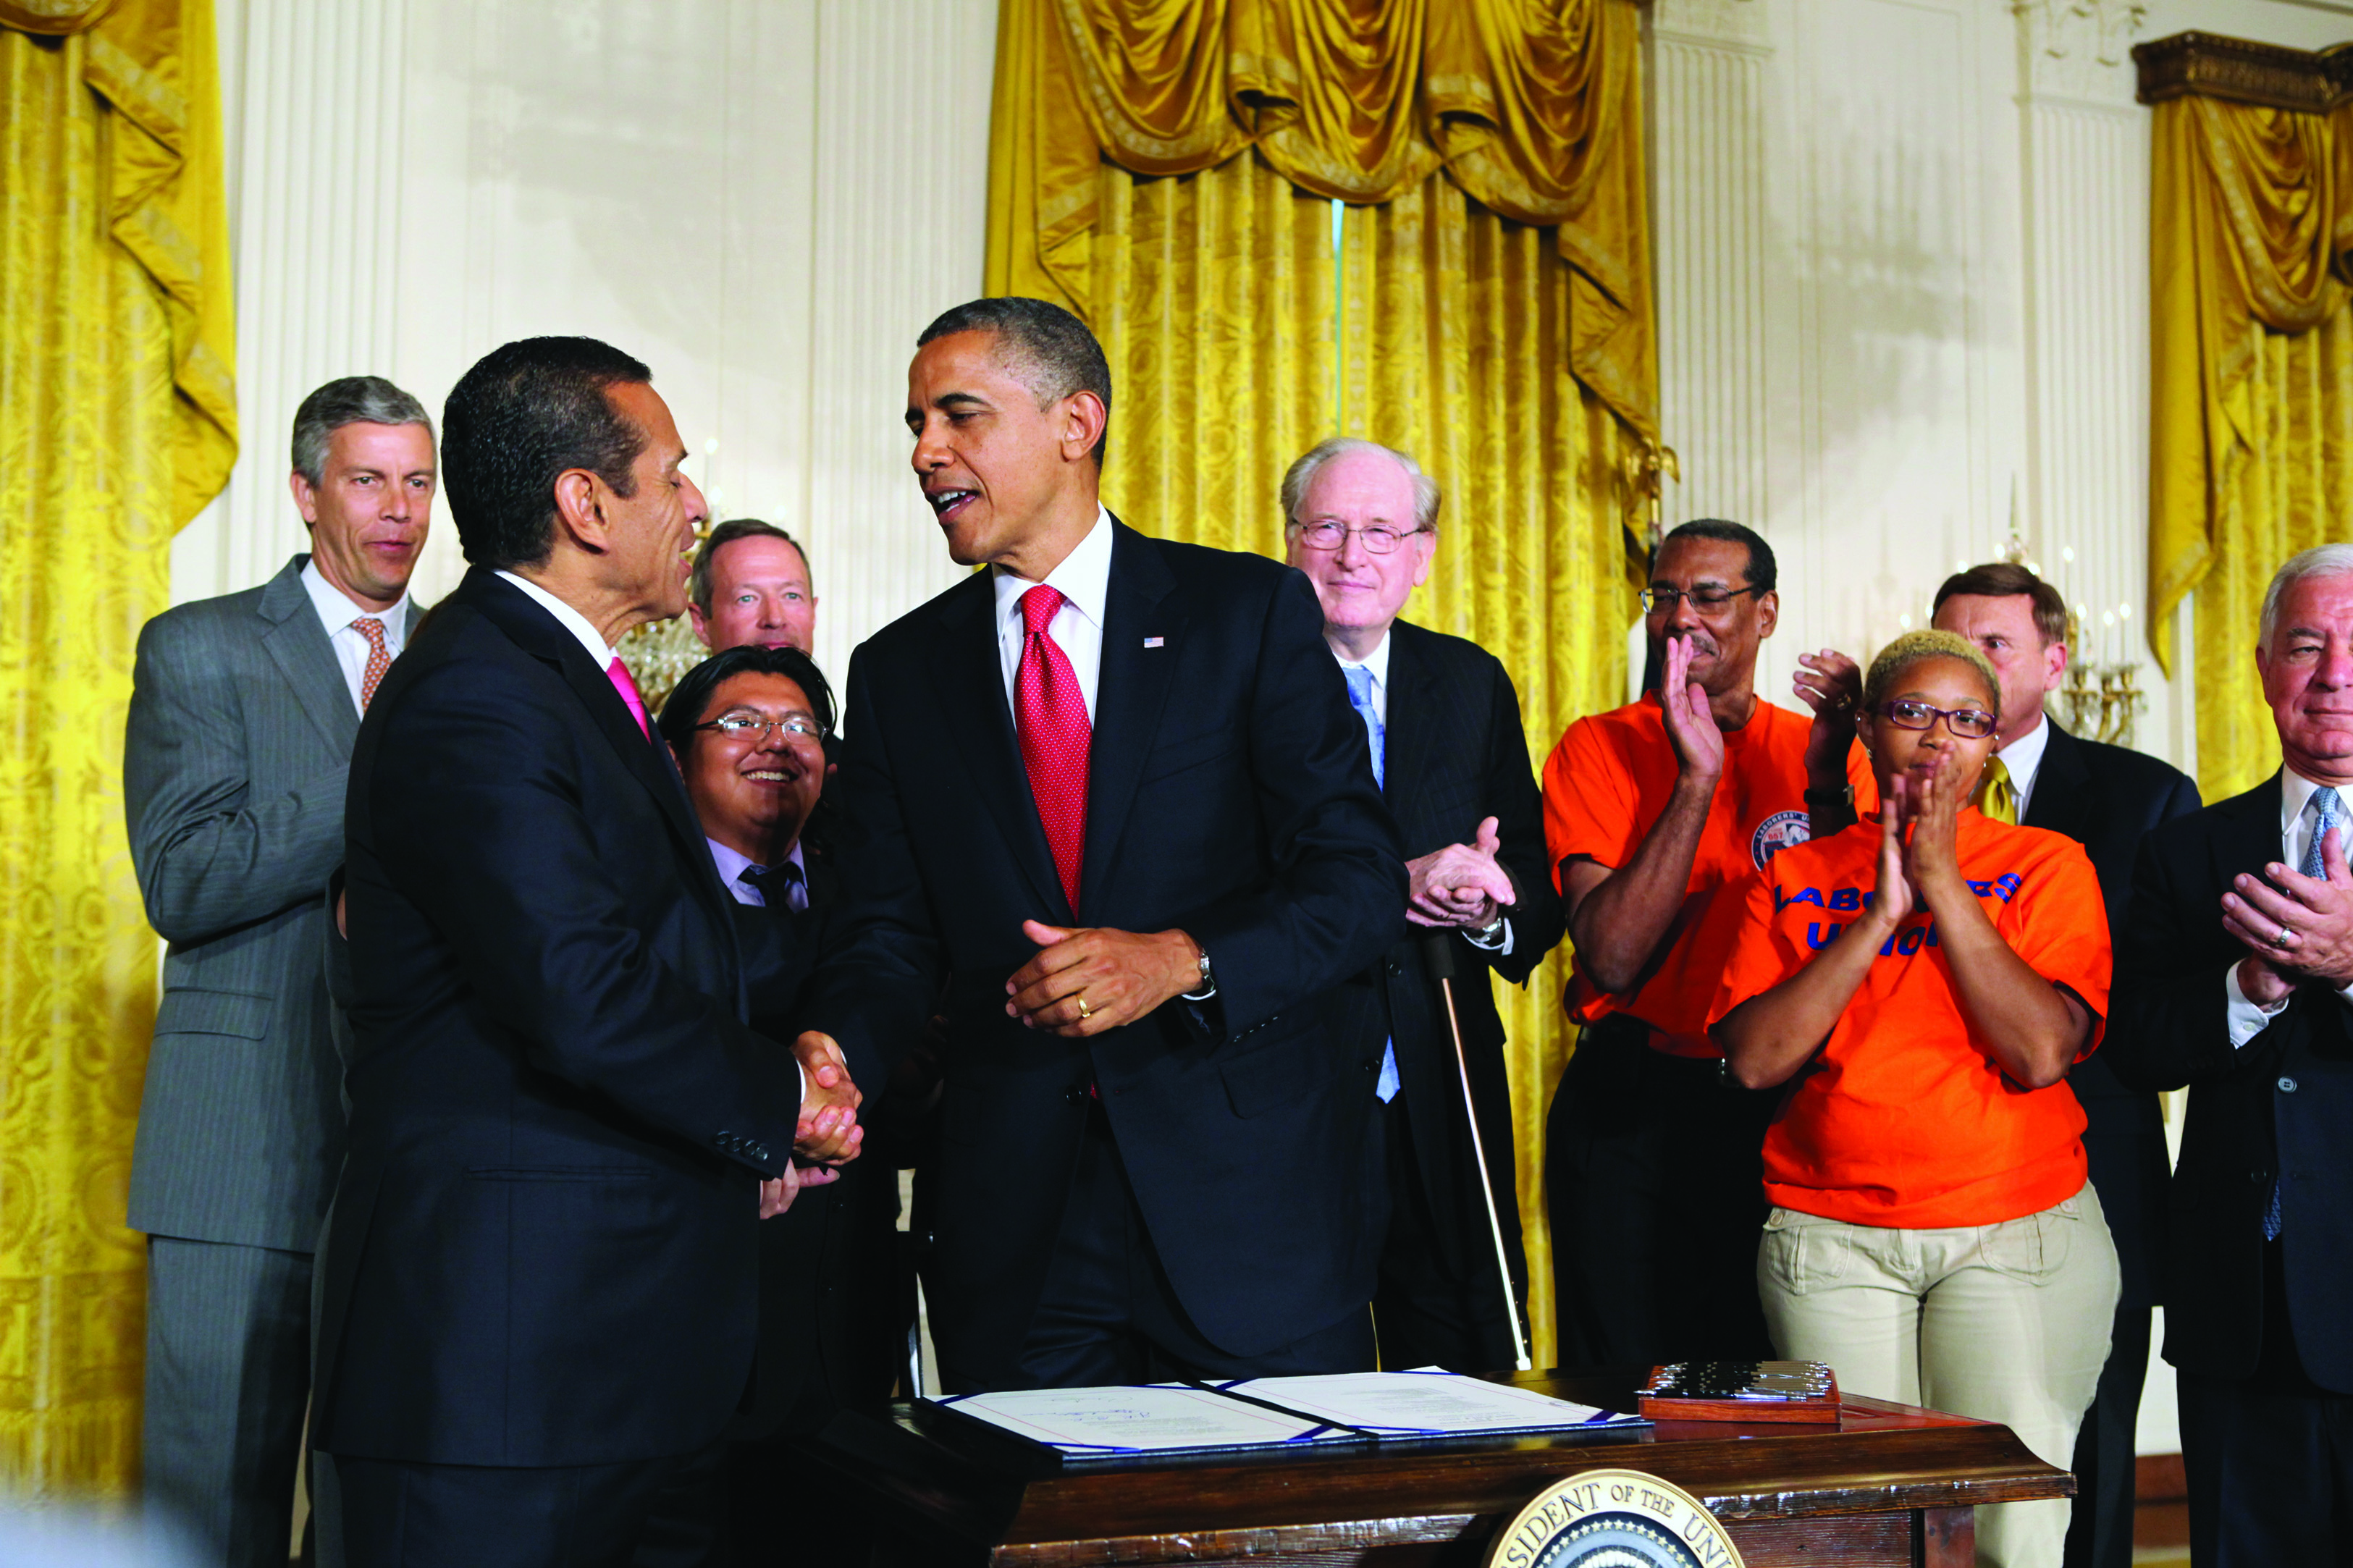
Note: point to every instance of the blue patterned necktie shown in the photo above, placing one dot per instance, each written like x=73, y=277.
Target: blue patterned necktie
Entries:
x=2326, y=817
x=1360, y=698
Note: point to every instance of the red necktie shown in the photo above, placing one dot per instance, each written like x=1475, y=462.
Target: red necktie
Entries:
x=618, y=674
x=1052, y=717
x=379, y=658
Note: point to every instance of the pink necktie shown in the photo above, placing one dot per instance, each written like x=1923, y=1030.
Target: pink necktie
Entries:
x=618, y=674
x=1052, y=716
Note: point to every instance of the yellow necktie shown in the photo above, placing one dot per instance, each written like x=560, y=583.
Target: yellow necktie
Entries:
x=1995, y=797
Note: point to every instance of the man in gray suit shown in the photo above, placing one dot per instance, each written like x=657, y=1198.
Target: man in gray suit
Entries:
x=243, y=713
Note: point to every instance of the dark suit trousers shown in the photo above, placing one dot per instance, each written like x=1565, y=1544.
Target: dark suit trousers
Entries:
x=2128, y=1171
x=1108, y=1314
x=229, y=1378
x=644, y=1513
x=2270, y=1456
x=1426, y=1313
x=1655, y=1173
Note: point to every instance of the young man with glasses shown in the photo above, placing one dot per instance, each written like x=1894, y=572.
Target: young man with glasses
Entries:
x=1451, y=759
x=1654, y=1160
x=750, y=727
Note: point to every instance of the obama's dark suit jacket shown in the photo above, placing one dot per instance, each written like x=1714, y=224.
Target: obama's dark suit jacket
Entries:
x=1231, y=795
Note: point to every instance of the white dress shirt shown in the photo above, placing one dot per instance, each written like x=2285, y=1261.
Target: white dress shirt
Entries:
x=2298, y=816
x=1083, y=579
x=570, y=619
x=732, y=867
x=2023, y=758
x=337, y=613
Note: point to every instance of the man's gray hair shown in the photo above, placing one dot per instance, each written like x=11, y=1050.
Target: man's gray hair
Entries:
x=1302, y=474
x=351, y=400
x=2322, y=560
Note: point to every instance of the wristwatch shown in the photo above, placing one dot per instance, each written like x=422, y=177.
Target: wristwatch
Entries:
x=1208, y=986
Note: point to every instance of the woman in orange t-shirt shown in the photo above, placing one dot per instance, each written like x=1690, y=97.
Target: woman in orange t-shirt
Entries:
x=1922, y=982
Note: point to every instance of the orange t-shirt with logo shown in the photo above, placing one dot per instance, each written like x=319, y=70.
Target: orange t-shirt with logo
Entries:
x=1607, y=785
x=1904, y=1119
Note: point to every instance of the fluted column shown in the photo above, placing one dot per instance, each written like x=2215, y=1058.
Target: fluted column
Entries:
x=2086, y=170
x=312, y=112
x=1708, y=141
x=901, y=217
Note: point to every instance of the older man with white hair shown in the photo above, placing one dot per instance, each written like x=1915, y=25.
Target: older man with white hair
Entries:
x=1452, y=762
x=2235, y=976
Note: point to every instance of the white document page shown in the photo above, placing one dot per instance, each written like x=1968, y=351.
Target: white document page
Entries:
x=1425, y=1403
x=1154, y=1419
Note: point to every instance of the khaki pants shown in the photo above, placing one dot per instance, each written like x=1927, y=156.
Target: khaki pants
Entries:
x=2003, y=1322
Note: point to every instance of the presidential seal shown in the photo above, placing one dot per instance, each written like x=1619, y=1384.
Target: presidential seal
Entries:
x=1613, y=1518
x=1777, y=833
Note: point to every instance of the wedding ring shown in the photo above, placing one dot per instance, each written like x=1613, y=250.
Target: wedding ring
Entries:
x=1085, y=1012
x=2280, y=940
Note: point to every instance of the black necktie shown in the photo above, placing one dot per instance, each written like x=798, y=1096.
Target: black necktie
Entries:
x=775, y=884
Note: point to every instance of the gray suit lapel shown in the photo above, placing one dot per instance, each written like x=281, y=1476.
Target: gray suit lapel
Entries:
x=298, y=644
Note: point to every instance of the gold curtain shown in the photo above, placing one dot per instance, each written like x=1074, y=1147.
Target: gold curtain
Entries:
x=1530, y=106
x=1167, y=171
x=2251, y=224
x=117, y=423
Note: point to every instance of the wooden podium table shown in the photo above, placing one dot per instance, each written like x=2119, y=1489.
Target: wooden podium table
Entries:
x=1889, y=1485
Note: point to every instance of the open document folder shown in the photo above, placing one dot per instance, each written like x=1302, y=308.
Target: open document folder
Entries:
x=1172, y=1418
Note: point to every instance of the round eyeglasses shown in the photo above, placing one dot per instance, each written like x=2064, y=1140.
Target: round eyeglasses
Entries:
x=1380, y=539
x=1965, y=723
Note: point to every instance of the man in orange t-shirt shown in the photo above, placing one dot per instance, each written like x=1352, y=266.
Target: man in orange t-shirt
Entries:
x=1652, y=1162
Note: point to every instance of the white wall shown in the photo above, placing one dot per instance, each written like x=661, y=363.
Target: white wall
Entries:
x=765, y=200
x=1902, y=251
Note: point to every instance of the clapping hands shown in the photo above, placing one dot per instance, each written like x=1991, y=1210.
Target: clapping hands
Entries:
x=1463, y=885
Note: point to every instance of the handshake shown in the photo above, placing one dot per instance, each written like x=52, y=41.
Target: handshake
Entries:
x=827, y=1129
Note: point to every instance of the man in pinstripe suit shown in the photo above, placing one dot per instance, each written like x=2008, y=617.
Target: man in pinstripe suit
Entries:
x=243, y=714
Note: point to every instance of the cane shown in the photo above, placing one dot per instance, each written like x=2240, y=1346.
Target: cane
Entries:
x=1437, y=953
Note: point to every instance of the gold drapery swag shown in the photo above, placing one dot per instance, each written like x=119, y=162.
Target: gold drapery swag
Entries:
x=118, y=422
x=1530, y=106
x=2251, y=399
x=1166, y=171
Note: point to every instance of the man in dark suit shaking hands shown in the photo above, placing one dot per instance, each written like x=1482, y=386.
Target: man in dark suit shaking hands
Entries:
x=1360, y=520
x=2107, y=798
x=2233, y=977
x=1109, y=803
x=541, y=1275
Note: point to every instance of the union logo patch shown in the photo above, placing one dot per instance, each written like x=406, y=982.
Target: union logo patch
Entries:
x=1777, y=833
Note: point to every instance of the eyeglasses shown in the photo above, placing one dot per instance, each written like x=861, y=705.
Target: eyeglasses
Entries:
x=1378, y=539
x=734, y=726
x=1706, y=601
x=1965, y=723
